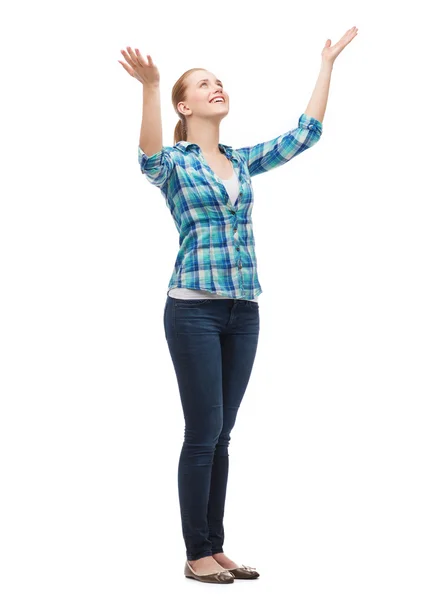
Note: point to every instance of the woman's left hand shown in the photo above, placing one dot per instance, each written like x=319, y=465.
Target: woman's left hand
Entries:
x=329, y=53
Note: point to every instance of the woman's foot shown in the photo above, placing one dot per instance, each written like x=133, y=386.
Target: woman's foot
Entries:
x=225, y=562
x=206, y=565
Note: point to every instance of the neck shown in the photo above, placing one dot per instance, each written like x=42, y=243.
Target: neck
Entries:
x=205, y=135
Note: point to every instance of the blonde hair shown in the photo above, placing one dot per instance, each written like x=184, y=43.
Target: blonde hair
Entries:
x=178, y=94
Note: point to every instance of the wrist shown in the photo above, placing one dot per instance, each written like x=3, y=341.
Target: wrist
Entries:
x=327, y=64
x=149, y=87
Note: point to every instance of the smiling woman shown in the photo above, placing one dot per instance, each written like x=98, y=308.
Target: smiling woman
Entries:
x=211, y=316
x=195, y=89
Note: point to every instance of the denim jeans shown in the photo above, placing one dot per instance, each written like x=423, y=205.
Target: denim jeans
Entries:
x=212, y=345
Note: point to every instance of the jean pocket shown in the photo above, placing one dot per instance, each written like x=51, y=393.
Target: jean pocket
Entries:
x=252, y=304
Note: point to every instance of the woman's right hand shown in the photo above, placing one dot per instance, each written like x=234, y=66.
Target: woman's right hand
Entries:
x=146, y=72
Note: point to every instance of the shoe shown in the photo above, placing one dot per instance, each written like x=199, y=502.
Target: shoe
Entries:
x=244, y=572
x=218, y=577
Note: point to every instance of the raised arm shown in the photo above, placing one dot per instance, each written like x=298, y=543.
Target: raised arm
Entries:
x=268, y=155
x=151, y=129
x=278, y=151
x=154, y=161
x=318, y=101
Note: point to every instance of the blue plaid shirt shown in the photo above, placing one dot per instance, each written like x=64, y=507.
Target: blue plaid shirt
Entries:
x=216, y=238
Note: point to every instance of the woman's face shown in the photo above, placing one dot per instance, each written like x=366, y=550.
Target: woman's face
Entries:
x=202, y=88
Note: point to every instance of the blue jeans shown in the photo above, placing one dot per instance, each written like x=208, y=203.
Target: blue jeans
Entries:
x=212, y=345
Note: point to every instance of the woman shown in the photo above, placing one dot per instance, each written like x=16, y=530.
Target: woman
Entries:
x=211, y=316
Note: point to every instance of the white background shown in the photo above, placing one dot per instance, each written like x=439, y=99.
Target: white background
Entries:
x=338, y=459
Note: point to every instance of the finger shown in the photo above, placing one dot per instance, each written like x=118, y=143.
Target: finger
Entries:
x=128, y=58
x=133, y=55
x=127, y=68
x=140, y=58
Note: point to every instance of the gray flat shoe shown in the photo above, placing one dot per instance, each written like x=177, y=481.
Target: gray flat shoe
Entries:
x=217, y=577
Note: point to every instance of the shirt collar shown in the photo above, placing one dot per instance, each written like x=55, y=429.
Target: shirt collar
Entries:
x=184, y=145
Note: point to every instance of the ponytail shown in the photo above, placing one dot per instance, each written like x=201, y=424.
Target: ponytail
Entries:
x=180, y=132
x=178, y=95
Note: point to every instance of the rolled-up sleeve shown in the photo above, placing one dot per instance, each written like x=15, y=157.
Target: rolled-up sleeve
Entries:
x=157, y=167
x=268, y=155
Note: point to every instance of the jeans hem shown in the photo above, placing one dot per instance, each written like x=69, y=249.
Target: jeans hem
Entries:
x=197, y=557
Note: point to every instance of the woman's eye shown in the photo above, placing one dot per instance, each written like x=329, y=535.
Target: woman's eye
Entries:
x=205, y=83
